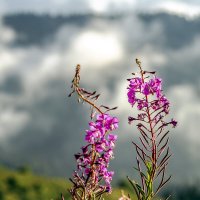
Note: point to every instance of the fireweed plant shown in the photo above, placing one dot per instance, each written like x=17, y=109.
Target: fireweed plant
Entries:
x=153, y=153
x=92, y=179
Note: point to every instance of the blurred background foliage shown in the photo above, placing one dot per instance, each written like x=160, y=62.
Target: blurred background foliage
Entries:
x=22, y=184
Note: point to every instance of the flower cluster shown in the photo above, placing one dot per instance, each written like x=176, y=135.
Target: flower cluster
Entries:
x=145, y=92
x=95, y=156
x=92, y=177
x=150, y=88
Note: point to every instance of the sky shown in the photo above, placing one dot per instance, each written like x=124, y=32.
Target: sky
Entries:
x=37, y=119
x=183, y=7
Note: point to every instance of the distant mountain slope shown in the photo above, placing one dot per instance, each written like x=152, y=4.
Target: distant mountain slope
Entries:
x=23, y=185
x=36, y=29
x=178, y=30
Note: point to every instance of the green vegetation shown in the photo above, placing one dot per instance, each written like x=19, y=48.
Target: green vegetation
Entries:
x=22, y=184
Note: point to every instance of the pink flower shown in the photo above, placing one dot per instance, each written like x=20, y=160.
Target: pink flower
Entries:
x=103, y=145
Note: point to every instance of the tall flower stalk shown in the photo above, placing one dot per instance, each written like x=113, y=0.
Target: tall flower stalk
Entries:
x=153, y=152
x=92, y=179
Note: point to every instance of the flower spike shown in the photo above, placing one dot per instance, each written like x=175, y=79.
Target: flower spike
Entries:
x=92, y=178
x=153, y=153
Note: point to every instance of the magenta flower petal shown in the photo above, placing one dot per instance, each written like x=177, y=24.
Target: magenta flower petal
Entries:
x=103, y=144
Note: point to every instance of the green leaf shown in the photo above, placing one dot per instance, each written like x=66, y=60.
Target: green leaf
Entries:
x=134, y=187
x=141, y=173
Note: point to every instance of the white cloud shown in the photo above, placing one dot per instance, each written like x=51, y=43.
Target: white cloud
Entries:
x=92, y=48
x=11, y=122
x=7, y=35
x=188, y=9
x=150, y=56
x=191, y=51
x=185, y=138
x=186, y=105
x=7, y=60
x=111, y=5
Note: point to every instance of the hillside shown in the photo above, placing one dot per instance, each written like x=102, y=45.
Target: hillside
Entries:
x=24, y=185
